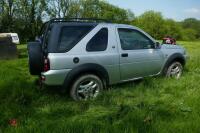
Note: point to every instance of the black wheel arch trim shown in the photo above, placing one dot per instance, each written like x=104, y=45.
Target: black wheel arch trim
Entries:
x=173, y=57
x=89, y=68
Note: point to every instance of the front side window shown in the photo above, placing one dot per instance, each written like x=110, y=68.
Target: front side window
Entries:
x=132, y=39
x=99, y=42
x=71, y=35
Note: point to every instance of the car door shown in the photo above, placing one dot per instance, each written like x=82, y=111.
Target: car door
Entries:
x=138, y=55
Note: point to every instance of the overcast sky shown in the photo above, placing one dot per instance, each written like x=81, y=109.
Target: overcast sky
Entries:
x=176, y=9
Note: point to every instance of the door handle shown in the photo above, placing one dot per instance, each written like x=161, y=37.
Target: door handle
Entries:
x=124, y=55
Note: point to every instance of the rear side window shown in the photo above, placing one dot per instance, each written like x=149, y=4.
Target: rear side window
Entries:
x=99, y=42
x=71, y=35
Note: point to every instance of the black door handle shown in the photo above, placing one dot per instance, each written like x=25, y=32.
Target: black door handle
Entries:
x=125, y=55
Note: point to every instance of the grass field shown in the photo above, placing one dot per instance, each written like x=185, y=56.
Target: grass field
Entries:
x=156, y=105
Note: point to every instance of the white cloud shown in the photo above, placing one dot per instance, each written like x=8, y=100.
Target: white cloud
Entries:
x=192, y=11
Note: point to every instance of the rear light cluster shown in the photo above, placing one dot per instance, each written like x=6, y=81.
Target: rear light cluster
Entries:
x=46, y=65
x=42, y=78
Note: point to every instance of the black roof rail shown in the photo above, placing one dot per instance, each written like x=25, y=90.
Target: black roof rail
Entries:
x=96, y=20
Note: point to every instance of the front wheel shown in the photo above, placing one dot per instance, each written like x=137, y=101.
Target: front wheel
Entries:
x=174, y=70
x=86, y=87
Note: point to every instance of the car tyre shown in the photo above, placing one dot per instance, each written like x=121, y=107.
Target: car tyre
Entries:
x=35, y=57
x=174, y=70
x=86, y=87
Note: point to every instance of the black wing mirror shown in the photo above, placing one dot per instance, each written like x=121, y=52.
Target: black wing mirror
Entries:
x=157, y=45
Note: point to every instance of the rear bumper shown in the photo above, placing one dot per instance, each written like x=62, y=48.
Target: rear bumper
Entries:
x=16, y=42
x=54, y=77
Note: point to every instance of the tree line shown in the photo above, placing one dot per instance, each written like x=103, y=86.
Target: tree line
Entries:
x=157, y=26
x=26, y=17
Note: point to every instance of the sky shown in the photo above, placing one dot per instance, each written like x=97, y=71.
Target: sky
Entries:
x=175, y=9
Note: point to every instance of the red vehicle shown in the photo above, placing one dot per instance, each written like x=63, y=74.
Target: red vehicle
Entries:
x=169, y=40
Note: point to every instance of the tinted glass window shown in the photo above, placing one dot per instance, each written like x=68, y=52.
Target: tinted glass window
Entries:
x=71, y=35
x=132, y=39
x=99, y=42
x=14, y=37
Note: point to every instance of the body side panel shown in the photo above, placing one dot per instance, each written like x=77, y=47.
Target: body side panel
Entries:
x=109, y=59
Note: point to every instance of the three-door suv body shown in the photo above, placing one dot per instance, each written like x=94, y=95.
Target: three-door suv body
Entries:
x=85, y=56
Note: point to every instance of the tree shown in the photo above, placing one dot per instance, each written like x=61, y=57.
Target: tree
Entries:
x=192, y=23
x=152, y=22
x=113, y=13
x=8, y=8
x=172, y=28
x=131, y=15
x=189, y=34
x=2, y=6
x=27, y=16
x=58, y=8
x=99, y=9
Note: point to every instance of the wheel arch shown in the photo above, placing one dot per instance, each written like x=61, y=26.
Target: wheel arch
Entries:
x=174, y=57
x=89, y=68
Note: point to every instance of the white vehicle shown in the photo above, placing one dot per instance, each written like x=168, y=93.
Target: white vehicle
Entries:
x=15, y=38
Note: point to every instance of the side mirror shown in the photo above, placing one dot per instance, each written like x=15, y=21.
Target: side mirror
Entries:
x=157, y=45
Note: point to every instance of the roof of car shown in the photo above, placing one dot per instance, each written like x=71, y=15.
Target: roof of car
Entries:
x=8, y=33
x=83, y=21
x=92, y=24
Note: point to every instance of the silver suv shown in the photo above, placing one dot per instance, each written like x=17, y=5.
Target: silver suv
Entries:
x=85, y=56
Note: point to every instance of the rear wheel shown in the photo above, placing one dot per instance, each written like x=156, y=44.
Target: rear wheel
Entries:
x=174, y=70
x=86, y=87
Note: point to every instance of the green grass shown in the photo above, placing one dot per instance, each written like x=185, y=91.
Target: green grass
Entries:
x=156, y=105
